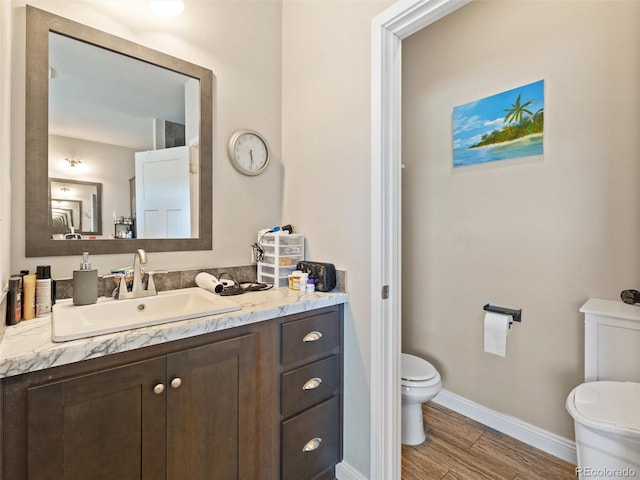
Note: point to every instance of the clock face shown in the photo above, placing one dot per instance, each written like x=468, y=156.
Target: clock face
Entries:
x=248, y=152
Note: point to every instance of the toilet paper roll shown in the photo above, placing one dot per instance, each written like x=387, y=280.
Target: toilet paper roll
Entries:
x=496, y=329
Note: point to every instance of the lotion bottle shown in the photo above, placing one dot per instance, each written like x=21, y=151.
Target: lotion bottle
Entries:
x=85, y=283
x=29, y=296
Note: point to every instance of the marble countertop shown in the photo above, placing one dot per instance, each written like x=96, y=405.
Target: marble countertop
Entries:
x=28, y=347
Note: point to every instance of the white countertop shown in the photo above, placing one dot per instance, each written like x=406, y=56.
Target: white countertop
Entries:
x=28, y=347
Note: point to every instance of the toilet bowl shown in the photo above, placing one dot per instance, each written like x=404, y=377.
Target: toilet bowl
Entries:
x=420, y=382
x=607, y=426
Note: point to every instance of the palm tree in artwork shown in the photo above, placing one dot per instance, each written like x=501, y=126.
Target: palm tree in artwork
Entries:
x=515, y=113
x=538, y=113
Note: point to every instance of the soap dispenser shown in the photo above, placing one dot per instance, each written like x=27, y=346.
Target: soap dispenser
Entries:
x=85, y=283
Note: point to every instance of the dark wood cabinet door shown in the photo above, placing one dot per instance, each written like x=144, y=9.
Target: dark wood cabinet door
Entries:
x=211, y=412
x=102, y=426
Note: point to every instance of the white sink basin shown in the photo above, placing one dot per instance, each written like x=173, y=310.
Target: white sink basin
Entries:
x=70, y=322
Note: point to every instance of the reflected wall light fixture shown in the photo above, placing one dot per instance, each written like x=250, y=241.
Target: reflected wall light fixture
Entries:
x=167, y=8
x=72, y=162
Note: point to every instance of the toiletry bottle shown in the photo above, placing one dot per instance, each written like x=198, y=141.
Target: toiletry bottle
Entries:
x=29, y=296
x=22, y=274
x=14, y=300
x=311, y=285
x=294, y=280
x=303, y=282
x=85, y=283
x=44, y=286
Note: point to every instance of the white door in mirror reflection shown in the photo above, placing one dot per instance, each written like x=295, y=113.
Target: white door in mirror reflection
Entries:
x=163, y=193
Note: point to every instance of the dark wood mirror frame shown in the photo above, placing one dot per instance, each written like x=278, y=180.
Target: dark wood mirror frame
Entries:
x=38, y=208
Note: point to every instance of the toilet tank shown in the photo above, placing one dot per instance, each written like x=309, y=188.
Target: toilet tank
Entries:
x=612, y=340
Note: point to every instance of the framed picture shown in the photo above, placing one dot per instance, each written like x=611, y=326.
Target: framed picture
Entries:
x=503, y=126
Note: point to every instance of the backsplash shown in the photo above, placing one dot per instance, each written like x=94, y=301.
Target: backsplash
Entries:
x=164, y=281
x=181, y=279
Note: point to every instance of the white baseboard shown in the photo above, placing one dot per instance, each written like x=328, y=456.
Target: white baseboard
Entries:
x=344, y=471
x=525, y=432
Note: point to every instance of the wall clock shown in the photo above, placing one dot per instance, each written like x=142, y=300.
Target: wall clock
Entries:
x=248, y=152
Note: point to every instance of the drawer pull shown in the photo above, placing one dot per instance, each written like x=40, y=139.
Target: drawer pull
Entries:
x=312, y=383
x=176, y=382
x=312, y=336
x=312, y=444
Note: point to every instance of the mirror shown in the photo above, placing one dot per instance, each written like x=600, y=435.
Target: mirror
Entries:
x=83, y=87
x=65, y=217
x=84, y=200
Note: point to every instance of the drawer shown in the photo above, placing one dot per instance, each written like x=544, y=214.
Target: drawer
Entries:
x=279, y=239
x=267, y=269
x=311, y=442
x=310, y=337
x=285, y=250
x=308, y=385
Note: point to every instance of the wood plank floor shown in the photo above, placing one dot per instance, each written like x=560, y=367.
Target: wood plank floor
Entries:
x=458, y=448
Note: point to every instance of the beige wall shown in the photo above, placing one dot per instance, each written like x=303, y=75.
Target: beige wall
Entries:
x=326, y=159
x=6, y=32
x=240, y=41
x=542, y=234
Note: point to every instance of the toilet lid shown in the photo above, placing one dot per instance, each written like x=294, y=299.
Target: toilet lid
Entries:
x=616, y=403
x=416, y=369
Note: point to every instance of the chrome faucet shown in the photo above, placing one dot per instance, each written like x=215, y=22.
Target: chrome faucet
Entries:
x=139, y=260
x=137, y=290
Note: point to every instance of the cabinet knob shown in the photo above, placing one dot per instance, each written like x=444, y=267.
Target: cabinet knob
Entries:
x=312, y=336
x=176, y=382
x=312, y=383
x=158, y=389
x=312, y=445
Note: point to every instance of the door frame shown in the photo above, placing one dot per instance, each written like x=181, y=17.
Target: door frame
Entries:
x=389, y=28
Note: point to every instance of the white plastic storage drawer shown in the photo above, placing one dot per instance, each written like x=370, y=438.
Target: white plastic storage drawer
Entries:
x=281, y=239
x=272, y=271
x=282, y=252
x=276, y=280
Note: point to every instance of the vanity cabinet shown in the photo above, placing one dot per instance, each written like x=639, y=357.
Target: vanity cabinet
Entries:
x=227, y=405
x=177, y=416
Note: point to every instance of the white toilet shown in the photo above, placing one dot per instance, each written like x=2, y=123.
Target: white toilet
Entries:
x=420, y=383
x=606, y=409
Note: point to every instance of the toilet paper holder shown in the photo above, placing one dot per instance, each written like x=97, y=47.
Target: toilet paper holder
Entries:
x=516, y=315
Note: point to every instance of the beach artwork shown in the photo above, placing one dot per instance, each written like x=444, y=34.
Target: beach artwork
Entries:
x=503, y=126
